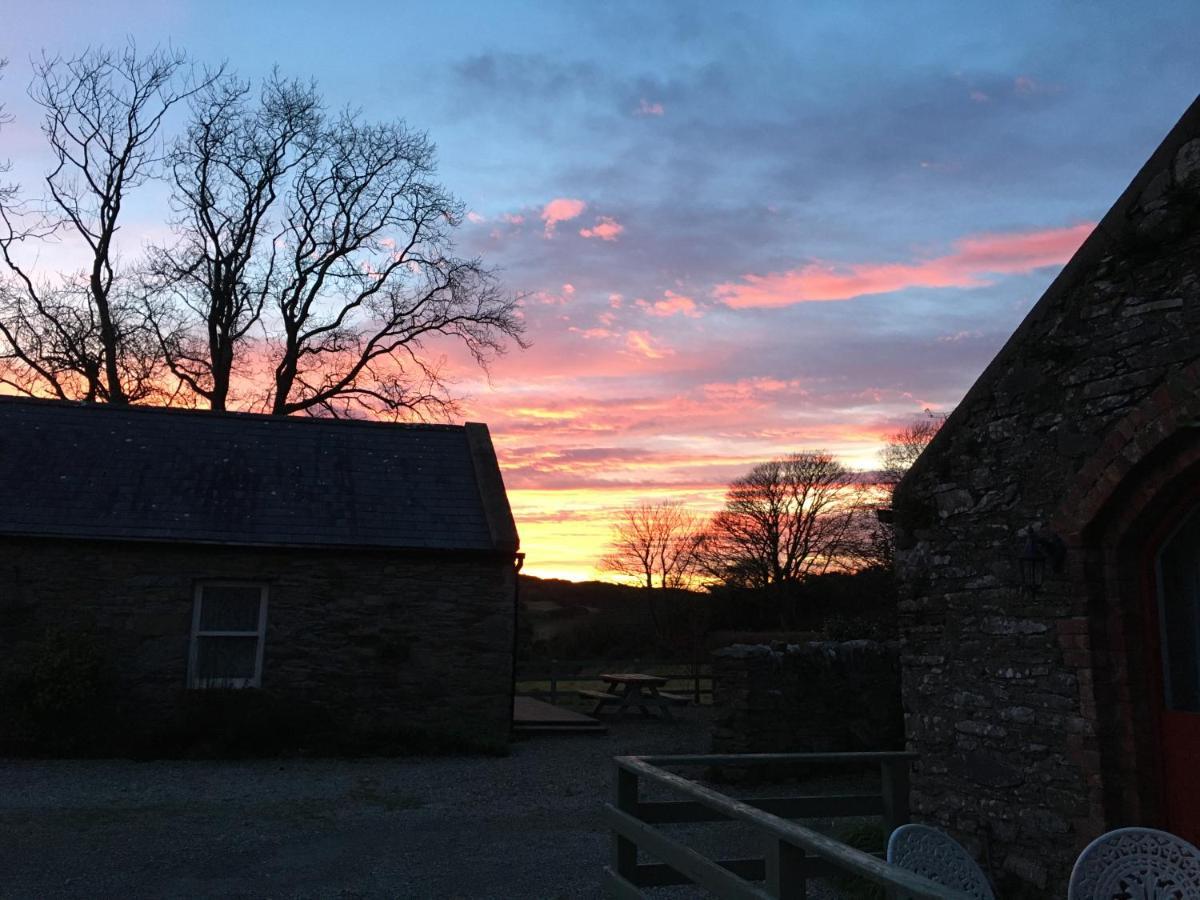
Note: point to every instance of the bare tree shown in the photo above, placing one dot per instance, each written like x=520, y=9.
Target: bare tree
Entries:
x=656, y=543
x=783, y=522
x=314, y=255
x=370, y=274
x=320, y=252
x=877, y=543
x=205, y=294
x=84, y=338
x=904, y=446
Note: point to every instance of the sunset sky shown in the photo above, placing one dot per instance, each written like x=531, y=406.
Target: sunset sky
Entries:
x=743, y=229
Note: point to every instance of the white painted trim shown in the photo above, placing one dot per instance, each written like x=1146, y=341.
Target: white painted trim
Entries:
x=260, y=634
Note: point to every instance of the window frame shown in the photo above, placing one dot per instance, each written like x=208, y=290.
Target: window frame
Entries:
x=195, y=682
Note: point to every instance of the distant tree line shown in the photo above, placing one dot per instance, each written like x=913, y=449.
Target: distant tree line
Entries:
x=307, y=259
x=783, y=524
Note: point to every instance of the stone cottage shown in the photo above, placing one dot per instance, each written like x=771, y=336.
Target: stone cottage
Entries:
x=1051, y=708
x=357, y=574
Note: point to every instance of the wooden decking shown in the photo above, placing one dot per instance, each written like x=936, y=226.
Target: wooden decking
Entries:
x=533, y=716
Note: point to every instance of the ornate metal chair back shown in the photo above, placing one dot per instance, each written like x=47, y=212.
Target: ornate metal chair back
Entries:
x=1136, y=864
x=939, y=858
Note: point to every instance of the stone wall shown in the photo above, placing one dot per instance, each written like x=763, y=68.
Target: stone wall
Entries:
x=1007, y=692
x=814, y=697
x=383, y=642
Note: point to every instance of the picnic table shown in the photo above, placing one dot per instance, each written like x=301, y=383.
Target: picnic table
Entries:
x=629, y=689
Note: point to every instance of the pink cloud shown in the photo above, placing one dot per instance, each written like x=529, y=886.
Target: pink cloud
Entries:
x=475, y=217
x=645, y=345
x=646, y=108
x=513, y=218
x=592, y=334
x=973, y=259
x=606, y=228
x=671, y=304
x=561, y=209
x=980, y=97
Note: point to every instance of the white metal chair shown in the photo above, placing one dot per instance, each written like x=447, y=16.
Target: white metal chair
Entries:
x=939, y=858
x=1136, y=864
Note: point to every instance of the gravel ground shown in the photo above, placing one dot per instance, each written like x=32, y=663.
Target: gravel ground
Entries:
x=525, y=826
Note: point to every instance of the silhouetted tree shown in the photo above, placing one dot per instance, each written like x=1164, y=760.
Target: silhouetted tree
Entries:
x=370, y=274
x=904, y=446
x=654, y=543
x=313, y=256
x=786, y=520
x=82, y=336
x=901, y=451
x=205, y=294
x=657, y=544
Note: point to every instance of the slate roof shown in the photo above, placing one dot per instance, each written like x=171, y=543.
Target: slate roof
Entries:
x=138, y=473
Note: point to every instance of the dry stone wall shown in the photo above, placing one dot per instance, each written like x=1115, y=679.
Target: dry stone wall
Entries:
x=814, y=697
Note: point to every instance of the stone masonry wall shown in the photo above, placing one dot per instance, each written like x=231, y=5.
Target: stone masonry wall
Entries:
x=821, y=696
x=383, y=640
x=1000, y=686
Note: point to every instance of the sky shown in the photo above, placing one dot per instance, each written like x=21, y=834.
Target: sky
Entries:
x=740, y=229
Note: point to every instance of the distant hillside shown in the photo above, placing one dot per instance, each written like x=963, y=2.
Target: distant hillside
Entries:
x=560, y=612
x=578, y=593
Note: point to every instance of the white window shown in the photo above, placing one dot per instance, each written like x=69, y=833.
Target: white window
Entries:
x=229, y=622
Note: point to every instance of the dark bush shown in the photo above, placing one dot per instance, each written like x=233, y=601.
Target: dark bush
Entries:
x=58, y=697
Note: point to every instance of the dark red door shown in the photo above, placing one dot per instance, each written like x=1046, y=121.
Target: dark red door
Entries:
x=1178, y=584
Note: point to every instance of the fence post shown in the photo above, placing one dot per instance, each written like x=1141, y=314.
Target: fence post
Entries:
x=624, y=851
x=786, y=872
x=895, y=788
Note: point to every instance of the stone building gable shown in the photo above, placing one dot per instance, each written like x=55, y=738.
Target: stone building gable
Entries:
x=1025, y=708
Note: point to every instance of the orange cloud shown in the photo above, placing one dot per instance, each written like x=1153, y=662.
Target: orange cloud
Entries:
x=974, y=259
x=645, y=345
x=606, y=228
x=671, y=304
x=561, y=209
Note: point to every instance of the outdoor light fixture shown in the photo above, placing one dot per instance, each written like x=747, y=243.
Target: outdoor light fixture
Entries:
x=1039, y=551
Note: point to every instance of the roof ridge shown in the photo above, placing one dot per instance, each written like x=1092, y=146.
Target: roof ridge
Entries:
x=237, y=415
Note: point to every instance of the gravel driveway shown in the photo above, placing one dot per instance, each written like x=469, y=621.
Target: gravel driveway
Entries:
x=526, y=826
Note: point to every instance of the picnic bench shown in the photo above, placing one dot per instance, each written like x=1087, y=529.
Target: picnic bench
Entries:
x=631, y=689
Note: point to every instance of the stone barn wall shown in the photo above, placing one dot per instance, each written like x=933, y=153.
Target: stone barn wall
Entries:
x=1026, y=709
x=381, y=642
x=812, y=697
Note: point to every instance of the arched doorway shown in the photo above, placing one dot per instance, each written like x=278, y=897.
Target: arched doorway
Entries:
x=1176, y=595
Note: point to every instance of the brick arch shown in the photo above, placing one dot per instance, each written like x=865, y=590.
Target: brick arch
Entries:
x=1172, y=406
x=1146, y=473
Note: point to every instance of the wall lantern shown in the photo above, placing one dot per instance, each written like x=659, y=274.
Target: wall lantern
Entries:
x=1041, y=550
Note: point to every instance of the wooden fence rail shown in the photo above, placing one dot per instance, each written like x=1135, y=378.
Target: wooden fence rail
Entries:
x=794, y=853
x=697, y=681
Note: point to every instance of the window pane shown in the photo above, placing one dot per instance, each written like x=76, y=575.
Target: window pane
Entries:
x=220, y=658
x=225, y=608
x=1180, y=603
